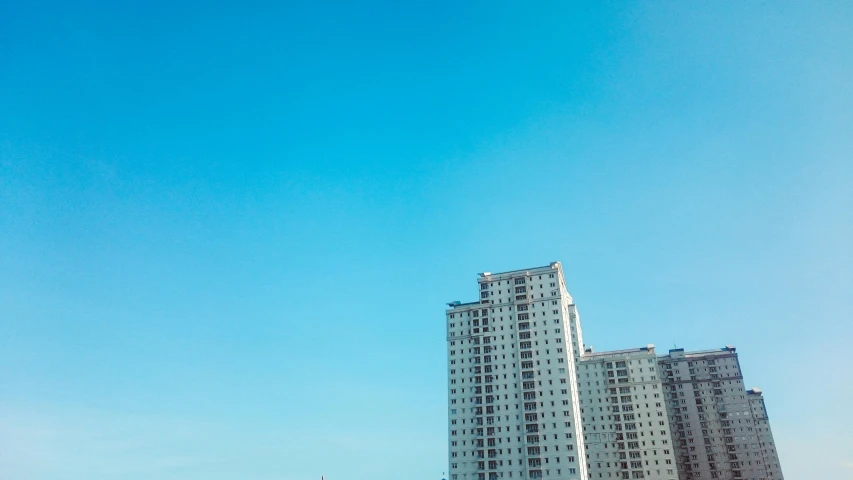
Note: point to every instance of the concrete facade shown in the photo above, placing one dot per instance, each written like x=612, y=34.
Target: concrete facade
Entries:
x=623, y=415
x=512, y=392
x=712, y=420
x=765, y=436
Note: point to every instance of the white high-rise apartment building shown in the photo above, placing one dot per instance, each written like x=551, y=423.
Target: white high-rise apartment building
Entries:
x=527, y=398
x=623, y=414
x=512, y=393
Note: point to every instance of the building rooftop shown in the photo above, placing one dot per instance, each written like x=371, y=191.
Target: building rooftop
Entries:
x=679, y=352
x=550, y=266
x=589, y=354
x=460, y=304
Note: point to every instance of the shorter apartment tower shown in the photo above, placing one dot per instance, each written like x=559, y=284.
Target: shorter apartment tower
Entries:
x=765, y=436
x=625, y=423
x=712, y=423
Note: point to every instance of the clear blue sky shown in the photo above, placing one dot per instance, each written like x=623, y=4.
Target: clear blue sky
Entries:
x=227, y=231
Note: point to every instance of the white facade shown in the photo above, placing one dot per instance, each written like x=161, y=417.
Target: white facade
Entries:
x=527, y=399
x=512, y=399
x=623, y=414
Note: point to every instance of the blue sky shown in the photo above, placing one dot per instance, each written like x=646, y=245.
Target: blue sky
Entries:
x=227, y=231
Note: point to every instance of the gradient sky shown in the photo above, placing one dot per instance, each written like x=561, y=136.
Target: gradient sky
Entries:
x=228, y=231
